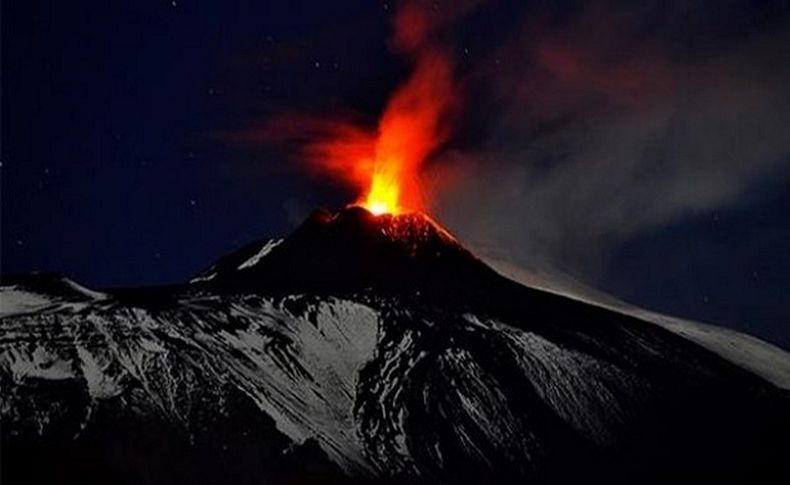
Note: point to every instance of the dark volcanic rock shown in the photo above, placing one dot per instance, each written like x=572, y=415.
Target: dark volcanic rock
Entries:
x=355, y=250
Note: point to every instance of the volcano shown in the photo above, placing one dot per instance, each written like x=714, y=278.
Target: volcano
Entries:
x=371, y=348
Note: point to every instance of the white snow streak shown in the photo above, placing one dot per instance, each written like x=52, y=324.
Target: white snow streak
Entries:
x=266, y=249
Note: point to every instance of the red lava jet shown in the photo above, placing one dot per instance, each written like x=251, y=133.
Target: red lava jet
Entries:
x=384, y=166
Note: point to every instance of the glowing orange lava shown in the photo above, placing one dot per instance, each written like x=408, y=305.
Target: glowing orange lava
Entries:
x=383, y=197
x=411, y=127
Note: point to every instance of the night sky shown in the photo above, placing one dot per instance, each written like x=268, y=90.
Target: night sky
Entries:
x=642, y=148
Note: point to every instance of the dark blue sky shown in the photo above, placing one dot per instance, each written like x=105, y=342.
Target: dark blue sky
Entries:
x=112, y=169
x=117, y=171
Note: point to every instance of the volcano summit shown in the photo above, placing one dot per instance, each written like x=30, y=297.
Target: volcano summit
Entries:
x=369, y=349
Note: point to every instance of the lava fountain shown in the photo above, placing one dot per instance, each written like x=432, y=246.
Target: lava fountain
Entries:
x=412, y=126
x=383, y=163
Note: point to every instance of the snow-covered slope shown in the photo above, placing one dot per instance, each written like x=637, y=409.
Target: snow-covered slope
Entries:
x=296, y=358
x=417, y=362
x=45, y=292
x=753, y=354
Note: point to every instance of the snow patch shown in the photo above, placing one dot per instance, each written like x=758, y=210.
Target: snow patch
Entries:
x=99, y=385
x=38, y=364
x=207, y=276
x=93, y=295
x=266, y=249
x=14, y=301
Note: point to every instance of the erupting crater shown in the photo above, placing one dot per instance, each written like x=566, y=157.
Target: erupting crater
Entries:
x=356, y=249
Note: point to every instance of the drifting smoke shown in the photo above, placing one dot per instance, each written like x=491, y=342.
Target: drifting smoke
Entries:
x=596, y=132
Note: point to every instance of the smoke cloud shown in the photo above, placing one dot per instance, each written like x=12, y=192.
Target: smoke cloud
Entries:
x=597, y=129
